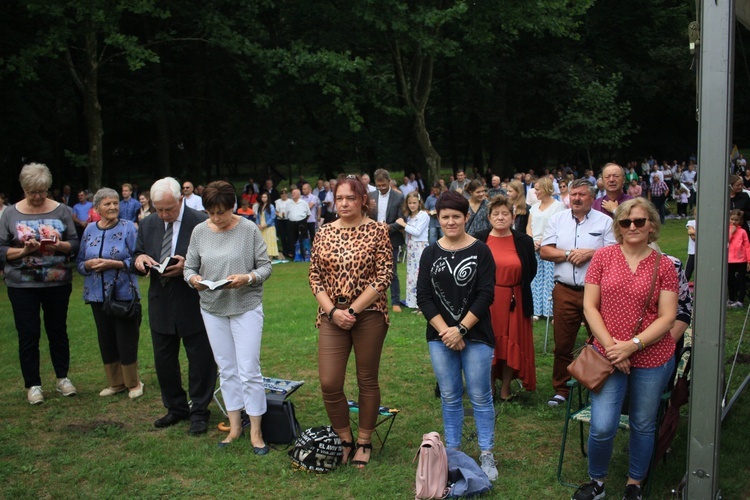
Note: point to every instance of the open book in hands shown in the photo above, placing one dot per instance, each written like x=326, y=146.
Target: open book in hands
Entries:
x=214, y=285
x=169, y=261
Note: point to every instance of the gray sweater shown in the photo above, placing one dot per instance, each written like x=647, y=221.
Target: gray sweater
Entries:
x=214, y=256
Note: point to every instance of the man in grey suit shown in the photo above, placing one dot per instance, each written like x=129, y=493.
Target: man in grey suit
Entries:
x=385, y=206
x=174, y=310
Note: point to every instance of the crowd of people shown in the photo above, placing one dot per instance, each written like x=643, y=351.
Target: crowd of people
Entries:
x=484, y=257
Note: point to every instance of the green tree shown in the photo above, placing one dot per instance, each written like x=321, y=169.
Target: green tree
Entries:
x=84, y=37
x=593, y=118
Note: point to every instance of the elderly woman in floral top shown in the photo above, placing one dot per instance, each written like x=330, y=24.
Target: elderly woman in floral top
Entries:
x=351, y=266
x=103, y=260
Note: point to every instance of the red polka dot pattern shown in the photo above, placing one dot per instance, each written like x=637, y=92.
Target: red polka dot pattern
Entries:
x=623, y=294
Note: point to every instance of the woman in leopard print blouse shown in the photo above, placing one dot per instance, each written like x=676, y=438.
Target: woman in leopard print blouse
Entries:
x=351, y=266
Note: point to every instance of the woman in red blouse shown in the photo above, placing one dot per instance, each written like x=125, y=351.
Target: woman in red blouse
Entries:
x=351, y=266
x=617, y=286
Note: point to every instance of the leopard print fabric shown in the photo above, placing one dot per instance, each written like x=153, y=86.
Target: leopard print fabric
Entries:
x=344, y=261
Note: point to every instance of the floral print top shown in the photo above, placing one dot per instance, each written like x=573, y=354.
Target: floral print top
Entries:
x=116, y=243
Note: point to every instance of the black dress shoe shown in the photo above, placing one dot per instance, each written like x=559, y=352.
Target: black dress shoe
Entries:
x=198, y=427
x=167, y=420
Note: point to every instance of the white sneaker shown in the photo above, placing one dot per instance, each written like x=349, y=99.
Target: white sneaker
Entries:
x=35, y=395
x=739, y=304
x=487, y=462
x=65, y=387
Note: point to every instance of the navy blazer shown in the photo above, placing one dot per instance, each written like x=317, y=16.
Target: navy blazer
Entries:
x=392, y=214
x=173, y=307
x=525, y=250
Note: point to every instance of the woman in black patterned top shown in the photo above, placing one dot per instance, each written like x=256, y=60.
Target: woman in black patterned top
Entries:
x=455, y=289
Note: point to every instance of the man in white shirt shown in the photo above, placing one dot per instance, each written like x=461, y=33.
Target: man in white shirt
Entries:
x=690, y=178
x=406, y=187
x=282, y=223
x=314, y=203
x=570, y=240
x=298, y=213
x=329, y=202
x=191, y=200
x=366, y=181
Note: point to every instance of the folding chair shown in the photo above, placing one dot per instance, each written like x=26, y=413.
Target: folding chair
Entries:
x=276, y=389
x=386, y=415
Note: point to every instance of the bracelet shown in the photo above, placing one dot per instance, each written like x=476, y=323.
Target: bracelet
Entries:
x=250, y=279
x=330, y=314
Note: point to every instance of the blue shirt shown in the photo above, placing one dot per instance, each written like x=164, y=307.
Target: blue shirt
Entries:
x=81, y=210
x=429, y=205
x=115, y=243
x=129, y=209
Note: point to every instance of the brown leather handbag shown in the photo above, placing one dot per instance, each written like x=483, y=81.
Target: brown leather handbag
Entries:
x=590, y=367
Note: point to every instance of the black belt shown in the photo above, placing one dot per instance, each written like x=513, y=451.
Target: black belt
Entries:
x=577, y=288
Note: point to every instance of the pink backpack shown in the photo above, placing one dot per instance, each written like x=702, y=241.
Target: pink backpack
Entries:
x=432, y=468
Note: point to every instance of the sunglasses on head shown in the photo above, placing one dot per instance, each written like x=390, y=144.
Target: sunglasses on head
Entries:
x=625, y=223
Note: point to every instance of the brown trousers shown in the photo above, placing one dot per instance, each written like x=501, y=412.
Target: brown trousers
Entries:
x=334, y=346
x=567, y=309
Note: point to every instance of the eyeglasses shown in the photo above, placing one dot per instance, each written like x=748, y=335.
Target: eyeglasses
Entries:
x=185, y=187
x=37, y=193
x=625, y=223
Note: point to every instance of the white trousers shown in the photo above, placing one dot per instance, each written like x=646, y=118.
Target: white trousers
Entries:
x=235, y=341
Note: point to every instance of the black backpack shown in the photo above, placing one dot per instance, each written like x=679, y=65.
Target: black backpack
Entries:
x=279, y=424
x=317, y=450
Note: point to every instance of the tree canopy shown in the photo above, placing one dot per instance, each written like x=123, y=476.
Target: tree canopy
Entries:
x=113, y=90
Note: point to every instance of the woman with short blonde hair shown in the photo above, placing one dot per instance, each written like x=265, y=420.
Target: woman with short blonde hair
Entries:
x=37, y=237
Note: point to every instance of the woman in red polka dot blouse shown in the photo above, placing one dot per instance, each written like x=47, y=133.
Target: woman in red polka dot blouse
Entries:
x=617, y=286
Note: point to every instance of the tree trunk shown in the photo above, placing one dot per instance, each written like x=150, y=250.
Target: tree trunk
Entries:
x=431, y=156
x=92, y=112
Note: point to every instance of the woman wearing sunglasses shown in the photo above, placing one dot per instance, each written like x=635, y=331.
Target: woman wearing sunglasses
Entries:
x=633, y=333
x=564, y=194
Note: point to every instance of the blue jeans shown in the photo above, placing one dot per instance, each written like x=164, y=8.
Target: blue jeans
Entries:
x=646, y=386
x=434, y=234
x=395, y=285
x=475, y=361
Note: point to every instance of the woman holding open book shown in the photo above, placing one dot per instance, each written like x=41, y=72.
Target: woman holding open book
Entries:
x=37, y=237
x=229, y=248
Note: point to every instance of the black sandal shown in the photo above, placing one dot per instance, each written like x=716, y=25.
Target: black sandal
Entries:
x=350, y=445
x=360, y=464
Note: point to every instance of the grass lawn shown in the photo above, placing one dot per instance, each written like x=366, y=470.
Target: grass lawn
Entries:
x=92, y=447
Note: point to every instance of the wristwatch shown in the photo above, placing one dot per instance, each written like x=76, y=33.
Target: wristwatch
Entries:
x=567, y=254
x=638, y=343
x=462, y=330
x=352, y=313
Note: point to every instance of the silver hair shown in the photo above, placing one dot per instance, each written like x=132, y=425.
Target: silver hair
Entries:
x=103, y=193
x=165, y=186
x=35, y=176
x=582, y=182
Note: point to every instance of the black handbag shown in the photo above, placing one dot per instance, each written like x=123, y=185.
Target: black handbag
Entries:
x=122, y=308
x=279, y=424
